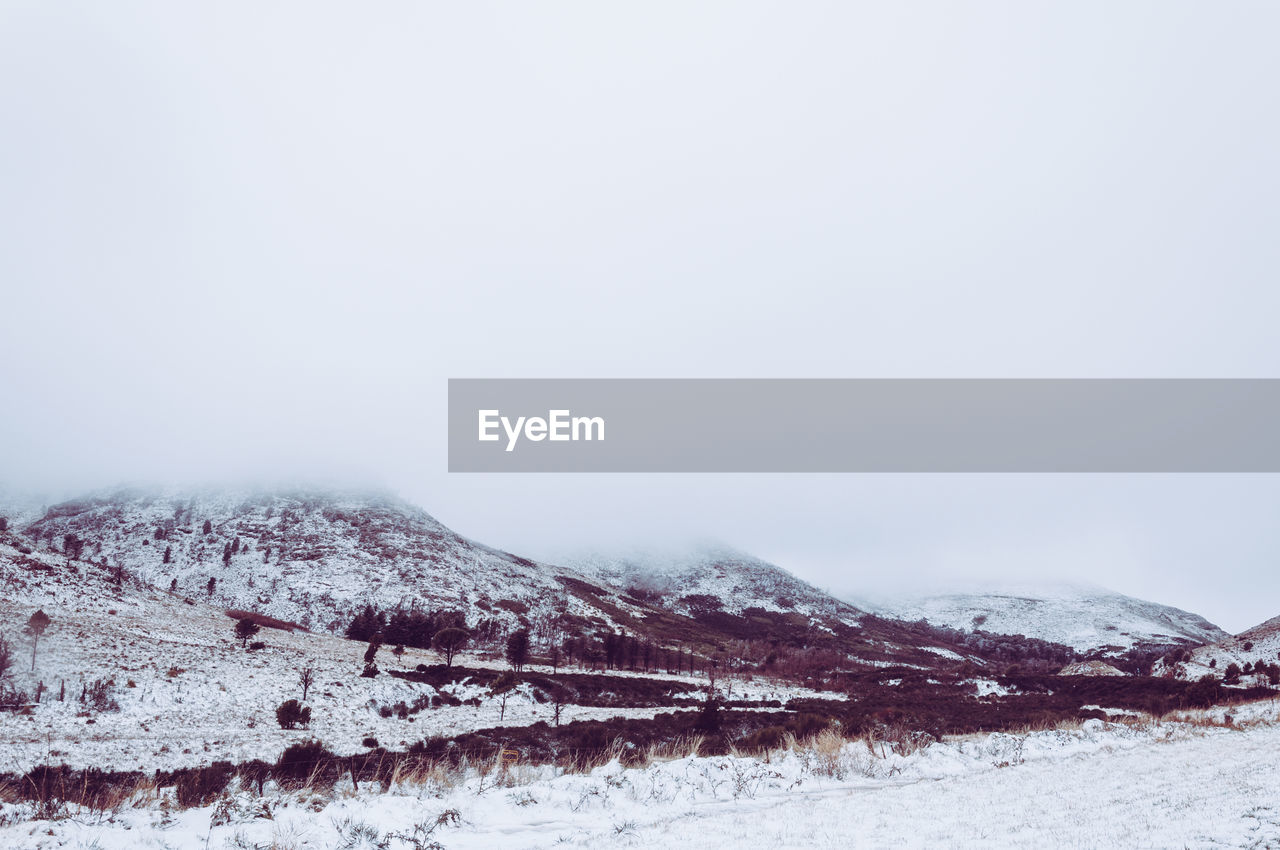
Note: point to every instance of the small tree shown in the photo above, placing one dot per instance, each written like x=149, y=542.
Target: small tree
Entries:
x=372, y=652
x=518, y=649
x=168, y=554
x=291, y=714
x=502, y=687
x=208, y=588
x=305, y=678
x=35, y=627
x=4, y=523
x=449, y=642
x=208, y=526
x=245, y=629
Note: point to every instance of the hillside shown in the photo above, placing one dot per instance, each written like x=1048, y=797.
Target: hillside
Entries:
x=311, y=557
x=317, y=558
x=1259, y=645
x=1084, y=617
x=176, y=688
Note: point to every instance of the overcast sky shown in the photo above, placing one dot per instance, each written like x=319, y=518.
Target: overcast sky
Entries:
x=246, y=240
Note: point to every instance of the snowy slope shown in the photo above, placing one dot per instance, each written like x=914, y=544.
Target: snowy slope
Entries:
x=186, y=692
x=1258, y=644
x=311, y=557
x=20, y=507
x=712, y=571
x=1081, y=616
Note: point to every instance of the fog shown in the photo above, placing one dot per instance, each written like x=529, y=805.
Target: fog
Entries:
x=253, y=243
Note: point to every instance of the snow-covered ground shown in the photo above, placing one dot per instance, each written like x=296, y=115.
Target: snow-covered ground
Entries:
x=188, y=694
x=1124, y=785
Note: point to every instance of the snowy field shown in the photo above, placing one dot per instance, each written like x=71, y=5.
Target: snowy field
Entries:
x=1123, y=785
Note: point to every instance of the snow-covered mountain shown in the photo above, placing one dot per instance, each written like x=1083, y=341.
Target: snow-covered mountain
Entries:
x=317, y=557
x=311, y=557
x=716, y=585
x=1084, y=617
x=689, y=580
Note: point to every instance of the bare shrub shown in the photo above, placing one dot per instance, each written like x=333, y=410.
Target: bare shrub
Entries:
x=99, y=696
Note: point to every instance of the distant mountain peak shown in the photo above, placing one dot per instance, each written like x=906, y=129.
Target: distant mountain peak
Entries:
x=1081, y=615
x=710, y=568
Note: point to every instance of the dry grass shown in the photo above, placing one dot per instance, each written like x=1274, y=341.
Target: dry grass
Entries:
x=53, y=795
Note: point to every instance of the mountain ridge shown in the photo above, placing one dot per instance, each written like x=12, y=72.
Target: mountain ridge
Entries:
x=1084, y=616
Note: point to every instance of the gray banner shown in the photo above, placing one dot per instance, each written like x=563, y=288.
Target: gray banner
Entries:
x=864, y=425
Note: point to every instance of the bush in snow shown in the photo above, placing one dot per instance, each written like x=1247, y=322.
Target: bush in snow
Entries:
x=200, y=786
x=308, y=761
x=291, y=714
x=99, y=696
x=12, y=698
x=6, y=657
x=504, y=683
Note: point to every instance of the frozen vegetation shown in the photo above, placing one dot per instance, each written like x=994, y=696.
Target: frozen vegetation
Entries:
x=1193, y=781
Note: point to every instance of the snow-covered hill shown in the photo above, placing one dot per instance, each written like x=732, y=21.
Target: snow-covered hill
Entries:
x=687, y=580
x=713, y=583
x=317, y=557
x=179, y=689
x=1084, y=617
x=1258, y=645
x=311, y=557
